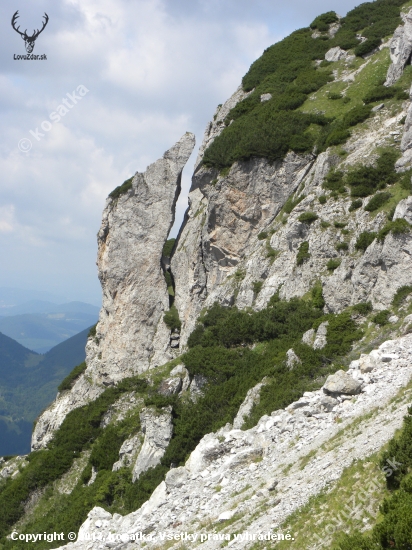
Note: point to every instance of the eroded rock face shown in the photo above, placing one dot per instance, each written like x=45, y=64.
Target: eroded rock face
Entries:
x=131, y=335
x=131, y=332
x=158, y=430
x=222, y=223
x=400, y=50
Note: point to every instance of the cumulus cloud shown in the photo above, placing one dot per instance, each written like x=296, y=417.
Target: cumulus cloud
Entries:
x=154, y=69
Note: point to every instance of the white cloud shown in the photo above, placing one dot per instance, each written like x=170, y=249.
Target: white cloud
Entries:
x=154, y=69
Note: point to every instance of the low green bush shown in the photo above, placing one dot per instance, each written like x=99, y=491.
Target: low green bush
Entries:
x=317, y=295
x=337, y=136
x=377, y=201
x=171, y=319
x=68, y=382
x=382, y=318
x=401, y=294
x=405, y=181
x=322, y=199
x=334, y=180
x=357, y=203
x=308, y=217
x=257, y=286
x=367, y=47
x=290, y=203
x=121, y=189
x=363, y=308
x=325, y=19
x=356, y=115
x=92, y=332
x=303, y=253
x=262, y=235
x=397, y=227
x=364, y=240
x=340, y=225
x=334, y=96
x=366, y=180
x=333, y=264
x=168, y=247
x=342, y=247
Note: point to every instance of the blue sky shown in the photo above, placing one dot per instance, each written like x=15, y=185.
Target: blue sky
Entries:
x=153, y=70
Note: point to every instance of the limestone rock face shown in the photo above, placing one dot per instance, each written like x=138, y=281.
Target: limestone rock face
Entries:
x=130, y=335
x=158, y=430
x=336, y=54
x=400, y=50
x=131, y=332
x=341, y=382
x=404, y=210
x=221, y=228
x=251, y=399
x=128, y=452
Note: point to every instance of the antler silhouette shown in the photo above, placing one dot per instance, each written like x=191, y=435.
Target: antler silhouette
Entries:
x=13, y=22
x=36, y=34
x=28, y=40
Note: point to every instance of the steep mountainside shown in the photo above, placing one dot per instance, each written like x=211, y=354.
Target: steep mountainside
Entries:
x=249, y=379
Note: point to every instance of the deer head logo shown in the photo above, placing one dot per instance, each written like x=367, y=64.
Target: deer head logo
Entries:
x=28, y=40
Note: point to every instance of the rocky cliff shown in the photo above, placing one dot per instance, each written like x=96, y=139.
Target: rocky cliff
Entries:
x=292, y=278
x=130, y=336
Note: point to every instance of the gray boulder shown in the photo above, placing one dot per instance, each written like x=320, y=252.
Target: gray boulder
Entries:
x=341, y=382
x=336, y=54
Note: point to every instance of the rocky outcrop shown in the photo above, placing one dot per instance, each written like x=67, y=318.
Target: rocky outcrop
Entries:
x=225, y=215
x=275, y=467
x=400, y=50
x=177, y=382
x=336, y=54
x=158, y=430
x=128, y=452
x=341, y=382
x=130, y=335
x=252, y=398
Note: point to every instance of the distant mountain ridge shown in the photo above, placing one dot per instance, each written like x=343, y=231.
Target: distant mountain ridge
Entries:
x=28, y=383
x=40, y=325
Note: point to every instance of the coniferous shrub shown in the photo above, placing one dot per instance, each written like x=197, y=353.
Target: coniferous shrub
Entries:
x=363, y=308
x=364, y=240
x=397, y=227
x=356, y=115
x=68, y=382
x=168, y=247
x=333, y=264
x=342, y=247
x=382, y=318
x=171, y=319
x=401, y=294
x=308, y=217
x=357, y=203
x=303, y=253
x=377, y=201
x=121, y=189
